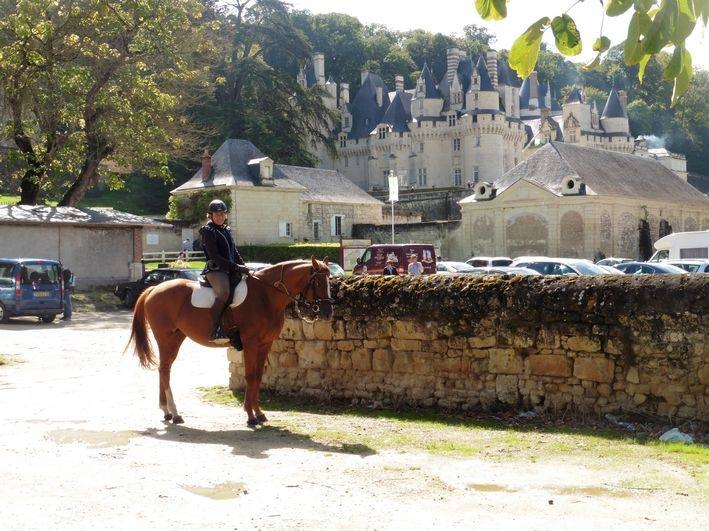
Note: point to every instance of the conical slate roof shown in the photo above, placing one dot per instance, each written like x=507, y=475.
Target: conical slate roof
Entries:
x=575, y=96
x=396, y=116
x=429, y=85
x=485, y=82
x=613, y=108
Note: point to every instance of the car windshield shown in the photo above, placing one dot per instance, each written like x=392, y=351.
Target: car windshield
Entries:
x=335, y=269
x=192, y=274
x=461, y=267
x=586, y=268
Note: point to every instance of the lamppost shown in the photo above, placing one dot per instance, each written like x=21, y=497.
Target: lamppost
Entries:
x=393, y=196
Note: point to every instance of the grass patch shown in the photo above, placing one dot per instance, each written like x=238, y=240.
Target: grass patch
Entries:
x=644, y=463
x=96, y=300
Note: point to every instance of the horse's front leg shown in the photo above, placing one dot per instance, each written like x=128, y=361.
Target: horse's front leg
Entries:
x=168, y=353
x=254, y=361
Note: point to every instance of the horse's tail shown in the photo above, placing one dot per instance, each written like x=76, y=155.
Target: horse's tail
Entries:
x=139, y=333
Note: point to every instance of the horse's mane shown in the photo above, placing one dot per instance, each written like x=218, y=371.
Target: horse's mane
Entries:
x=287, y=264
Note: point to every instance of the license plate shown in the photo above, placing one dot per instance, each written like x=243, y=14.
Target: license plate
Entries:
x=41, y=294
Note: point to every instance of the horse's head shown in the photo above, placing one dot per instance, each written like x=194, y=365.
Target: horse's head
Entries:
x=317, y=290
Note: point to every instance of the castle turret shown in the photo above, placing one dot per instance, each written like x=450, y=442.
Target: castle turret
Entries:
x=576, y=106
x=452, y=59
x=344, y=94
x=491, y=60
x=614, y=118
x=319, y=67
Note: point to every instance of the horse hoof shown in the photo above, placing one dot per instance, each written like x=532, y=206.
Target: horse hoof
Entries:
x=177, y=419
x=261, y=418
x=252, y=422
x=168, y=417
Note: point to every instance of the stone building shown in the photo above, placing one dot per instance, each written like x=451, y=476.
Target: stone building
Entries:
x=576, y=201
x=470, y=125
x=274, y=203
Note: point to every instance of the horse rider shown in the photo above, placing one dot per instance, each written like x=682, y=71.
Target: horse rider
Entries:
x=224, y=265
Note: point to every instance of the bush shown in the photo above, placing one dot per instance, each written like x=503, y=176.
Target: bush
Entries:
x=278, y=252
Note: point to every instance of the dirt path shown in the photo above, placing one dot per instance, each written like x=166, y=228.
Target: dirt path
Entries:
x=83, y=446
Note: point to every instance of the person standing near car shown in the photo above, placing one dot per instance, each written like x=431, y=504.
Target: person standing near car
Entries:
x=224, y=265
x=415, y=267
x=390, y=268
x=68, y=279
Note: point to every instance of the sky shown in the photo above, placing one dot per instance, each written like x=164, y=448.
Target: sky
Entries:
x=450, y=16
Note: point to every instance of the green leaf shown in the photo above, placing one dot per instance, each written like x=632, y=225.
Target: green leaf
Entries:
x=683, y=21
x=593, y=64
x=641, y=67
x=701, y=9
x=633, y=49
x=643, y=5
x=657, y=35
x=566, y=34
x=491, y=9
x=617, y=7
x=674, y=67
x=684, y=78
x=525, y=49
x=602, y=44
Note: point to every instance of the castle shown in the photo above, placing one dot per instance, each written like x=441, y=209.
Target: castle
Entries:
x=474, y=124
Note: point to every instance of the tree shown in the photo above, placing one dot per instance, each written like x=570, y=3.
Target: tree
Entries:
x=85, y=81
x=655, y=24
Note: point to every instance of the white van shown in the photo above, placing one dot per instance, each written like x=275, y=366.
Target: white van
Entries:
x=681, y=245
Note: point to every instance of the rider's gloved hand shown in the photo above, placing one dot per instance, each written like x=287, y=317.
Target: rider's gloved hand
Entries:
x=241, y=269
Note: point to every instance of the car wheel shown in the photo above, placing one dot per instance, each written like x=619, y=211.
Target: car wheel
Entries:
x=48, y=318
x=3, y=314
x=129, y=299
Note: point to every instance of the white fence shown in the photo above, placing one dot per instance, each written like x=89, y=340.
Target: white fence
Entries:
x=171, y=256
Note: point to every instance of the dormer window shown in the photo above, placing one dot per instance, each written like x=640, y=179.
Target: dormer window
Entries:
x=382, y=132
x=451, y=120
x=343, y=141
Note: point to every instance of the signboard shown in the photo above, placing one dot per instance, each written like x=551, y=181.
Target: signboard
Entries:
x=350, y=250
x=393, y=187
x=152, y=238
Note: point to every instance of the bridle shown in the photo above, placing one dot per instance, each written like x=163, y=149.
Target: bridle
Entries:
x=300, y=299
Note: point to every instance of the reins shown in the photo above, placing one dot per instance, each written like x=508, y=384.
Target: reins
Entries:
x=299, y=298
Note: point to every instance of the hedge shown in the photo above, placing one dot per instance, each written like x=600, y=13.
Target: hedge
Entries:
x=275, y=253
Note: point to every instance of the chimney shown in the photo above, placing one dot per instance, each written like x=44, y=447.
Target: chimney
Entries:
x=623, y=97
x=452, y=59
x=364, y=74
x=319, y=67
x=206, y=165
x=399, y=83
x=379, y=96
x=491, y=60
x=344, y=93
x=533, y=89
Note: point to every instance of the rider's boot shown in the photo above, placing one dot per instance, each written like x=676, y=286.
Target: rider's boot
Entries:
x=217, y=336
x=235, y=340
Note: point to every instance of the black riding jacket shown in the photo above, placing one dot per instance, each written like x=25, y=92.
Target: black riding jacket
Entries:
x=220, y=249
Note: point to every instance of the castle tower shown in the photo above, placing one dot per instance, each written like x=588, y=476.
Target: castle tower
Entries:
x=319, y=67
x=491, y=60
x=614, y=119
x=452, y=59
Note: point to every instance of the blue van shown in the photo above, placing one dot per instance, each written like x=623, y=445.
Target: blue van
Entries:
x=31, y=286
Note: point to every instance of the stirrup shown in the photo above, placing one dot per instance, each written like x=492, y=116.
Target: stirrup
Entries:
x=218, y=337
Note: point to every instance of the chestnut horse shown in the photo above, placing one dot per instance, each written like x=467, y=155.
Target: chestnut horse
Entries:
x=168, y=309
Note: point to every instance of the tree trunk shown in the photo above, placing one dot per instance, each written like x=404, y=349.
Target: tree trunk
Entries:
x=29, y=187
x=86, y=181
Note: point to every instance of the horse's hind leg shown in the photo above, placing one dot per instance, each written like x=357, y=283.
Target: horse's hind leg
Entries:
x=253, y=365
x=169, y=346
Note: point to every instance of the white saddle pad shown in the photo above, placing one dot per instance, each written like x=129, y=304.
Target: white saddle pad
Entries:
x=204, y=297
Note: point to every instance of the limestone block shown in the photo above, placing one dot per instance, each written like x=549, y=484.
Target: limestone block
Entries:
x=313, y=379
x=506, y=389
x=604, y=390
x=482, y=341
x=457, y=342
x=334, y=359
x=414, y=330
x=435, y=345
x=596, y=369
x=583, y=344
x=375, y=329
x=311, y=353
x=345, y=345
x=451, y=363
x=704, y=374
x=326, y=330
x=235, y=356
x=522, y=339
x=633, y=376
x=370, y=343
x=614, y=346
x=403, y=362
x=292, y=329
x=504, y=361
x=362, y=359
x=547, y=338
x=355, y=329
x=382, y=360
x=405, y=344
x=287, y=360
x=549, y=365
x=423, y=363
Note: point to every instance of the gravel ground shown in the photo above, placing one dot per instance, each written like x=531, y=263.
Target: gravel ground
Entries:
x=83, y=446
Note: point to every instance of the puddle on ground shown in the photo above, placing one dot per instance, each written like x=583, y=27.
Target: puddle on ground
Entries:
x=93, y=439
x=592, y=491
x=223, y=491
x=490, y=487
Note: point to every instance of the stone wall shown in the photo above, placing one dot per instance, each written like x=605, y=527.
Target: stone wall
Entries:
x=430, y=204
x=592, y=344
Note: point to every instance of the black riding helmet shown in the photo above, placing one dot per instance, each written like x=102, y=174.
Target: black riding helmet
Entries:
x=217, y=205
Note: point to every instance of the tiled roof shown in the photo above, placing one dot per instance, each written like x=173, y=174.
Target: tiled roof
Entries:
x=366, y=112
x=575, y=96
x=613, y=108
x=429, y=84
x=465, y=69
x=604, y=173
x=230, y=164
x=485, y=82
x=396, y=116
x=23, y=214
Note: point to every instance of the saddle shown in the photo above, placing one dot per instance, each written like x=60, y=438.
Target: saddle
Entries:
x=203, y=294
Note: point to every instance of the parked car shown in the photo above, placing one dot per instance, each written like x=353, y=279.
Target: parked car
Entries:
x=506, y=270
x=335, y=270
x=31, y=286
x=644, y=268
x=446, y=267
x=489, y=261
x=610, y=269
x=611, y=261
x=128, y=292
x=691, y=266
x=560, y=266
